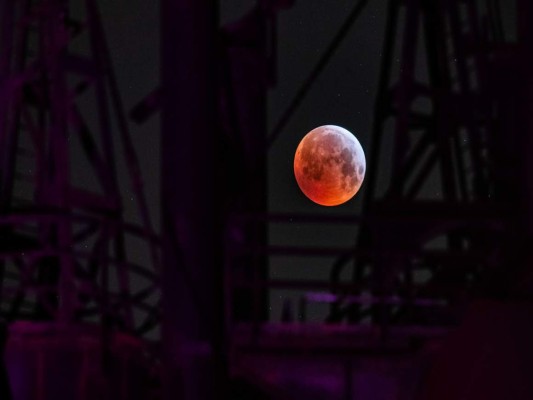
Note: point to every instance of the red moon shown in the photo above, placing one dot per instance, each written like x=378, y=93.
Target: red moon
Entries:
x=329, y=165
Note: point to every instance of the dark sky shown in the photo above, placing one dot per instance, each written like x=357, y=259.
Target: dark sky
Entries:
x=343, y=95
x=133, y=34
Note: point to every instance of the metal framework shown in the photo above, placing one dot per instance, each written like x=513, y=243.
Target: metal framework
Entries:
x=444, y=226
x=439, y=224
x=444, y=186
x=65, y=251
x=441, y=230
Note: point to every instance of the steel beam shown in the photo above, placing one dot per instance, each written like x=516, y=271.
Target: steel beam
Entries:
x=191, y=218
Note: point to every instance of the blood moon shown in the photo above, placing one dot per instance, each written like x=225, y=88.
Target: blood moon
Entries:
x=329, y=165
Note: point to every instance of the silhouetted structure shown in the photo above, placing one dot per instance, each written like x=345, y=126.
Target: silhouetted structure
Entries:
x=66, y=259
x=444, y=221
x=450, y=223
x=439, y=227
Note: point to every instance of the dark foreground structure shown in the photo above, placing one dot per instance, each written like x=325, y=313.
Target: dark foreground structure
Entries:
x=432, y=300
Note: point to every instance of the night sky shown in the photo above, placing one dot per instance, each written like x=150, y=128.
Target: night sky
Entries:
x=343, y=95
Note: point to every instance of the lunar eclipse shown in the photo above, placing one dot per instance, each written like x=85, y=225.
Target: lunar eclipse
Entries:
x=329, y=165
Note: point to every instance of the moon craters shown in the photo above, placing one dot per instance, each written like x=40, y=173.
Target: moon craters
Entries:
x=349, y=175
x=329, y=165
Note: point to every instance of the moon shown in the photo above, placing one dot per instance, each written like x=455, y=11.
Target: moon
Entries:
x=329, y=165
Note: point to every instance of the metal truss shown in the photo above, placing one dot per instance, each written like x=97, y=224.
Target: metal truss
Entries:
x=438, y=225
x=65, y=246
x=434, y=230
x=441, y=219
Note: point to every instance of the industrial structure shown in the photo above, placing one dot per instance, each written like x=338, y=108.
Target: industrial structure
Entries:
x=443, y=224
x=96, y=306
x=77, y=302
